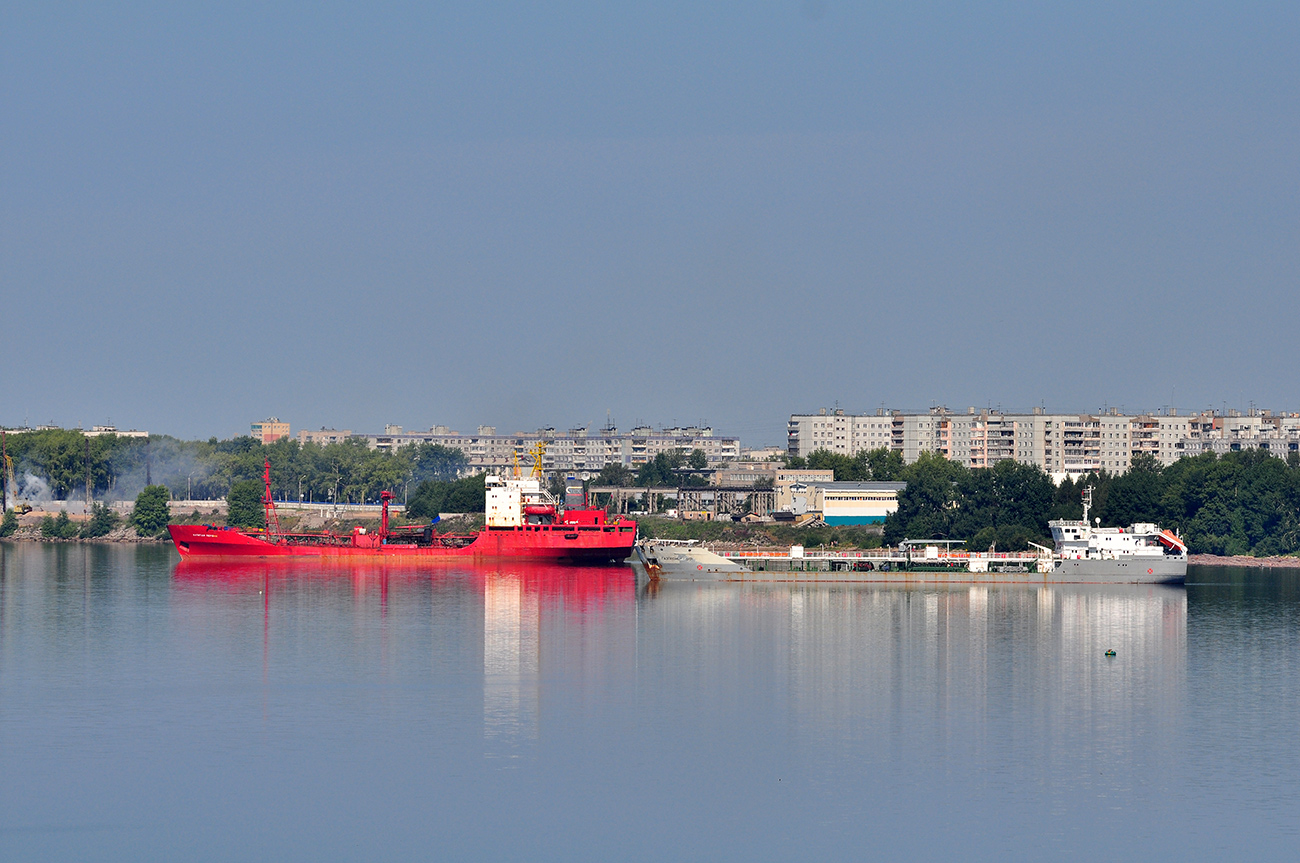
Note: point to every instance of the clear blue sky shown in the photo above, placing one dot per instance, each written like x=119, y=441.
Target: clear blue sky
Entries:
x=352, y=214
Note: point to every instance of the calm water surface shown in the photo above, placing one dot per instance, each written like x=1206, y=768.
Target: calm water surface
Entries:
x=156, y=711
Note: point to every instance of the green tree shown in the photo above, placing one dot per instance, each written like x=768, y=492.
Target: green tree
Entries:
x=926, y=507
x=884, y=464
x=698, y=460
x=435, y=461
x=433, y=497
x=101, y=522
x=244, y=504
x=1135, y=495
x=660, y=470
x=1011, y=498
x=150, y=515
x=842, y=465
x=9, y=524
x=881, y=464
x=60, y=527
x=614, y=474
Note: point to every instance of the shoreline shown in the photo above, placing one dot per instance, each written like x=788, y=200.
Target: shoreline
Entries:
x=1272, y=562
x=90, y=540
x=1243, y=561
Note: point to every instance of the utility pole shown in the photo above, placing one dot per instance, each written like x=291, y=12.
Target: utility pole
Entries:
x=89, y=500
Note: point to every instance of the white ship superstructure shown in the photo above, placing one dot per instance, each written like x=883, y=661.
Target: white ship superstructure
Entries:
x=1143, y=549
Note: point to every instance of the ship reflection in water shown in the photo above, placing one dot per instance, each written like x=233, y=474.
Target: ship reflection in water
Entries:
x=831, y=650
x=844, y=659
x=526, y=712
x=915, y=667
x=511, y=621
x=579, y=608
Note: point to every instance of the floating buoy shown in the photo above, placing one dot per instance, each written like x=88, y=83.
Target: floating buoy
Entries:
x=1110, y=653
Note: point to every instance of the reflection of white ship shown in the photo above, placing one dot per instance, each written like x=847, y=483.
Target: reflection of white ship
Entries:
x=510, y=665
x=841, y=646
x=1140, y=554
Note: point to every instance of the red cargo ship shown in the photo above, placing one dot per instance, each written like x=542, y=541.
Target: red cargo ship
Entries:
x=523, y=523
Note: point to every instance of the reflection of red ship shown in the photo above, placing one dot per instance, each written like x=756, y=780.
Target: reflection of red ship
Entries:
x=523, y=522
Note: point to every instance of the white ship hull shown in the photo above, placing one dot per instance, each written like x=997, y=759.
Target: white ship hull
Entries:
x=676, y=562
x=1133, y=570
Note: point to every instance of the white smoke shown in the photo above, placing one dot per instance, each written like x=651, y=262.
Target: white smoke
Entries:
x=32, y=488
x=161, y=462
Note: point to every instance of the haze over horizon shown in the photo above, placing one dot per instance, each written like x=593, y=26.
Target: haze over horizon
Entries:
x=719, y=214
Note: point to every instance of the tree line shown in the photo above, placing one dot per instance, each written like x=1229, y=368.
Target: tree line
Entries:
x=53, y=464
x=670, y=468
x=1244, y=502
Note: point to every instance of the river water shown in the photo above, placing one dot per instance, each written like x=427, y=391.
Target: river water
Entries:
x=152, y=711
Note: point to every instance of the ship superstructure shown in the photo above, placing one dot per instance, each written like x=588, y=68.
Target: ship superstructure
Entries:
x=1085, y=547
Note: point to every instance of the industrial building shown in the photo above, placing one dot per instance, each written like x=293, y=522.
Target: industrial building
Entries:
x=856, y=502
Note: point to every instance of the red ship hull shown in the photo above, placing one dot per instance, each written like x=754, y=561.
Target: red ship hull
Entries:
x=604, y=543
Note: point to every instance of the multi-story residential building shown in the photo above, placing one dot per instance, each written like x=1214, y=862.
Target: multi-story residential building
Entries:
x=576, y=450
x=96, y=431
x=1279, y=434
x=269, y=430
x=762, y=453
x=1061, y=444
x=324, y=436
x=848, y=434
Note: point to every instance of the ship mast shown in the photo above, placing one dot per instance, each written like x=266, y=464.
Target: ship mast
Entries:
x=272, y=520
x=1087, y=503
x=537, y=452
x=385, y=498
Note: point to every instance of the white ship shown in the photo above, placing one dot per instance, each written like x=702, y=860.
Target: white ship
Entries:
x=1084, y=554
x=1138, y=553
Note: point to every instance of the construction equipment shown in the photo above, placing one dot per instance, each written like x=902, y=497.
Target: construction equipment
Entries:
x=6, y=473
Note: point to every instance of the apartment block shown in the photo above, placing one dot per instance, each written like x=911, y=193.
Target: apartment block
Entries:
x=269, y=430
x=844, y=433
x=1061, y=444
x=575, y=450
x=1278, y=435
x=324, y=436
